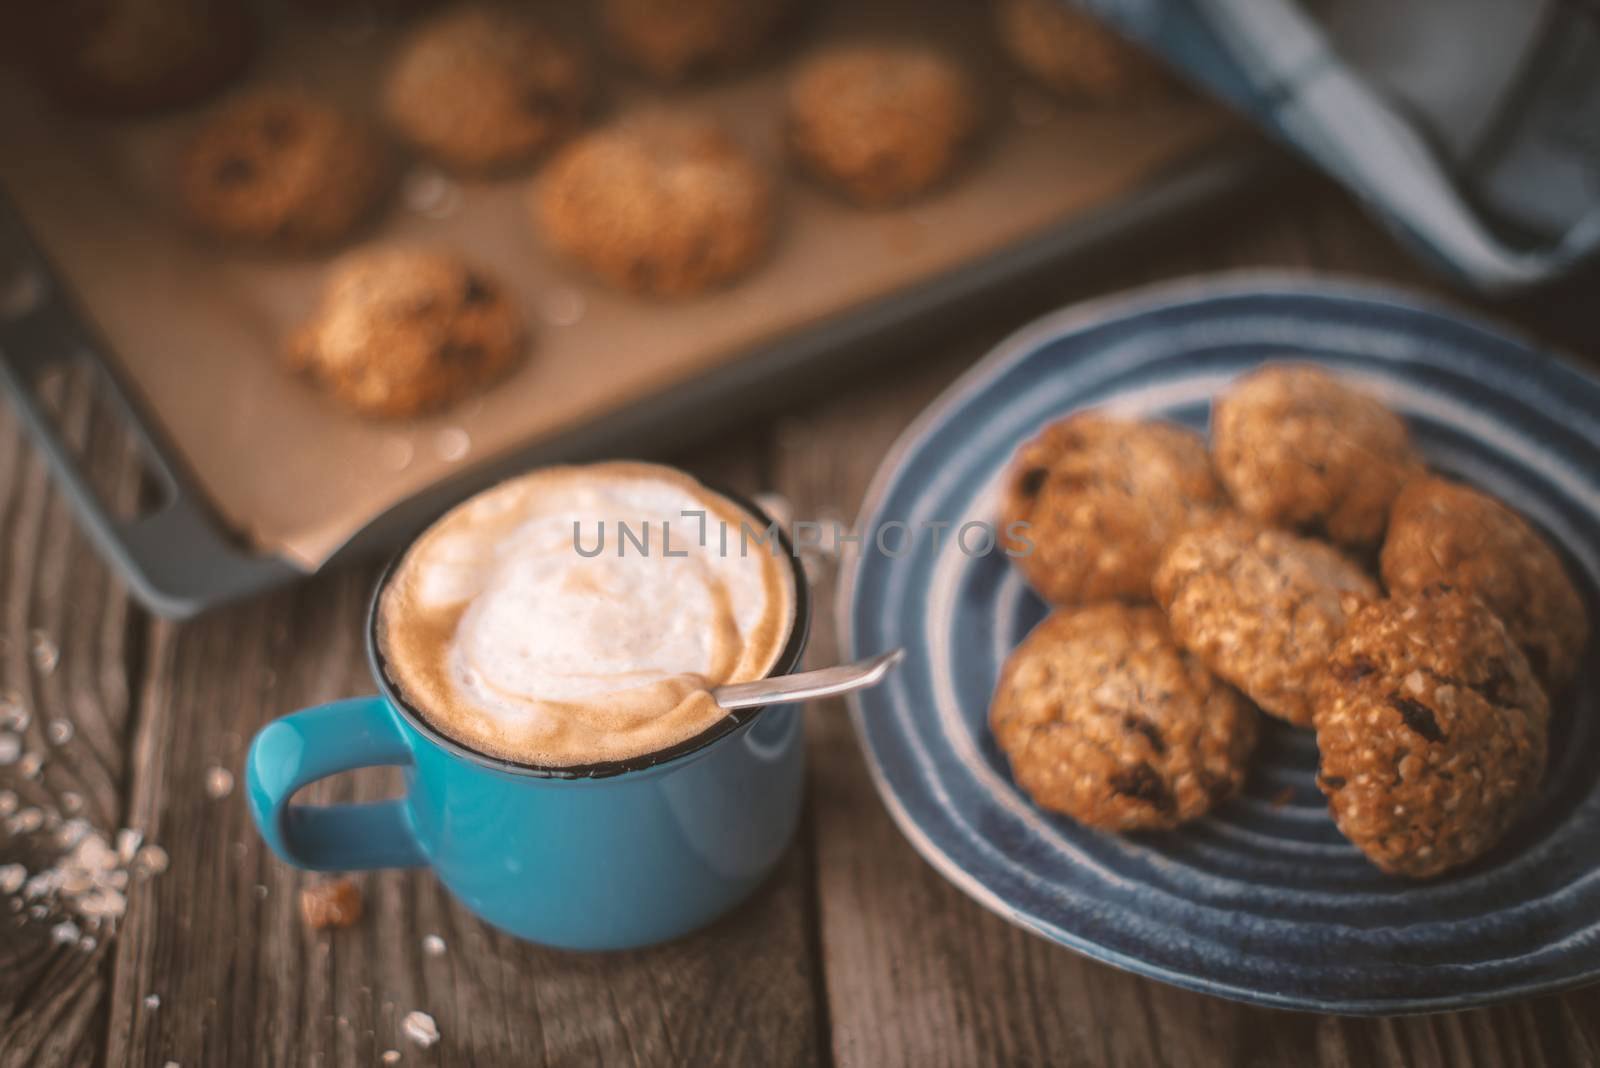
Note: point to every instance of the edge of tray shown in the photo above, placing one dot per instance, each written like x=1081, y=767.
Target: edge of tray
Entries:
x=179, y=560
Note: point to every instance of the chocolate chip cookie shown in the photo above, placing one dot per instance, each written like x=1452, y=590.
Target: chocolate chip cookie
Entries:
x=403, y=330
x=1432, y=731
x=479, y=88
x=129, y=57
x=1078, y=56
x=1260, y=607
x=1091, y=501
x=879, y=123
x=1105, y=720
x=674, y=40
x=278, y=166
x=1298, y=447
x=1443, y=532
x=660, y=205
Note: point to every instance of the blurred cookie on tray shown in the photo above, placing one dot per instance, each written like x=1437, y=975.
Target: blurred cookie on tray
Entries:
x=404, y=330
x=667, y=205
x=130, y=57
x=880, y=123
x=1076, y=55
x=481, y=88
x=277, y=166
x=677, y=40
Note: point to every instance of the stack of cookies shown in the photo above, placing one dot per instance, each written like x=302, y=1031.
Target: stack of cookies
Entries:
x=1307, y=565
x=662, y=202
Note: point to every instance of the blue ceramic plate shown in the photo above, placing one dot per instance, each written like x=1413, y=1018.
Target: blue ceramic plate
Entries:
x=1263, y=901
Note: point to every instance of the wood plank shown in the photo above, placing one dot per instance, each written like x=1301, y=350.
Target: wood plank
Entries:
x=916, y=973
x=66, y=631
x=240, y=981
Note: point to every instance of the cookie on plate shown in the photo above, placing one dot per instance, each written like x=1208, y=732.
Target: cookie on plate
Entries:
x=880, y=123
x=128, y=57
x=674, y=40
x=660, y=205
x=1443, y=532
x=1105, y=720
x=1091, y=501
x=1298, y=447
x=277, y=166
x=478, y=88
x=1432, y=731
x=1260, y=607
x=403, y=330
x=1078, y=56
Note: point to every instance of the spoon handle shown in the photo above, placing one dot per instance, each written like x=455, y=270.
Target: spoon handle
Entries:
x=808, y=685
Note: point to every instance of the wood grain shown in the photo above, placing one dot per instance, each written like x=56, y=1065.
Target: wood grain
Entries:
x=59, y=603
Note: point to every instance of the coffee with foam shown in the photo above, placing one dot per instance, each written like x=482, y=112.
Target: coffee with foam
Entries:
x=509, y=633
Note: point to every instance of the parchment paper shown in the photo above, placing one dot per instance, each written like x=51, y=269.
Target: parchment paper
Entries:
x=199, y=328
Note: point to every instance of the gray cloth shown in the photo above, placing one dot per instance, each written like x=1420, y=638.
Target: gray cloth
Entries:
x=1473, y=126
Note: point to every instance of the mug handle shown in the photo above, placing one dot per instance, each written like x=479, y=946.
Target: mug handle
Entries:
x=301, y=748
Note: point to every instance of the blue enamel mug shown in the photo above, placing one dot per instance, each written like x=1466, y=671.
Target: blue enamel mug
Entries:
x=602, y=856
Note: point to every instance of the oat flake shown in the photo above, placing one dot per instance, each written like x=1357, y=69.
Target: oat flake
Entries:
x=420, y=1028
x=219, y=783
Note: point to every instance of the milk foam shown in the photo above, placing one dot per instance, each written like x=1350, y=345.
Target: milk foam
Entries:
x=508, y=639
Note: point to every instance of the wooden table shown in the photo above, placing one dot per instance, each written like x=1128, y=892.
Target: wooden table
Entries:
x=856, y=952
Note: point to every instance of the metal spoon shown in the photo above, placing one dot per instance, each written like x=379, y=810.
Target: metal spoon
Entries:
x=808, y=685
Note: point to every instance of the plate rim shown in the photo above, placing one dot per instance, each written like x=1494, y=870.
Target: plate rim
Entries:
x=1012, y=349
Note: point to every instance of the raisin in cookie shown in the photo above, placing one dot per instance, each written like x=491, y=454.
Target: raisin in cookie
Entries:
x=1261, y=607
x=657, y=205
x=1076, y=55
x=129, y=57
x=673, y=40
x=278, y=166
x=1299, y=448
x=1095, y=498
x=403, y=330
x=480, y=87
x=1104, y=719
x=1443, y=532
x=1432, y=732
x=879, y=123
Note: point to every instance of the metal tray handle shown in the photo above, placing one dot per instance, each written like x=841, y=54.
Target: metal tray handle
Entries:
x=176, y=557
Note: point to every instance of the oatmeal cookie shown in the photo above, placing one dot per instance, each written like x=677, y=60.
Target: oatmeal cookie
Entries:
x=1299, y=448
x=402, y=330
x=1442, y=532
x=478, y=88
x=1261, y=607
x=658, y=205
x=1076, y=55
x=1104, y=719
x=129, y=57
x=879, y=123
x=1100, y=497
x=674, y=40
x=1432, y=731
x=278, y=166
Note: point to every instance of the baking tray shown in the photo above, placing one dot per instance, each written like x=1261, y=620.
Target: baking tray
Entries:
x=261, y=479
